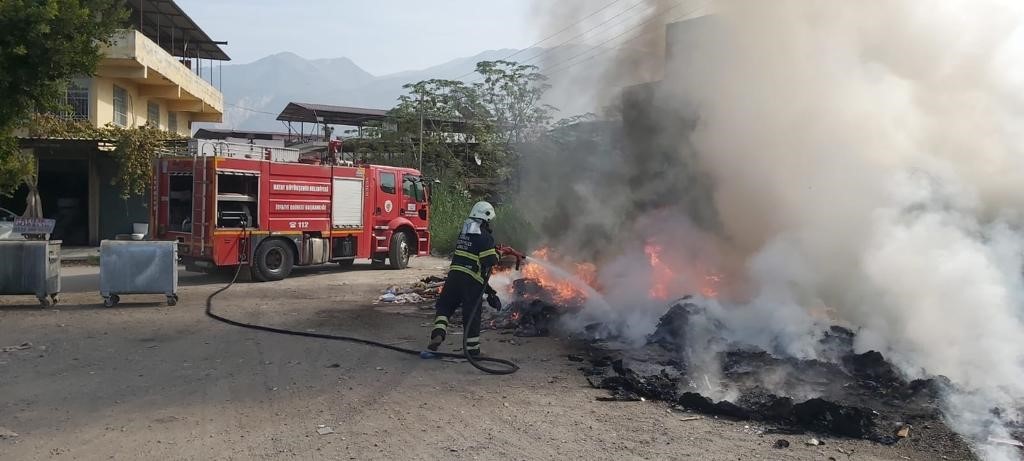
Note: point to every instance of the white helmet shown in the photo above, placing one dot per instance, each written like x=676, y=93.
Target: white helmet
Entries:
x=482, y=210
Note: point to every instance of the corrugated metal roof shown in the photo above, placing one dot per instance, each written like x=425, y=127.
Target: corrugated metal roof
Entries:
x=331, y=115
x=355, y=116
x=164, y=22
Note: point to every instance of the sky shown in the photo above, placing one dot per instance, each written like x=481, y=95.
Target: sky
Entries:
x=381, y=36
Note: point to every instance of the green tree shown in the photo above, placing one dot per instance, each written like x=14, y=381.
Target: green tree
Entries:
x=510, y=93
x=469, y=130
x=45, y=43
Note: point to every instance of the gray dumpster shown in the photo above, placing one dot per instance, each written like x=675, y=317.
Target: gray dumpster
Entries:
x=134, y=267
x=30, y=267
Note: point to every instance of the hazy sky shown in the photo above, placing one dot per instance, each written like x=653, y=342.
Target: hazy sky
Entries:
x=381, y=36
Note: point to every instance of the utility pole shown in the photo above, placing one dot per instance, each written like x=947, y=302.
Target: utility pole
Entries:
x=421, y=135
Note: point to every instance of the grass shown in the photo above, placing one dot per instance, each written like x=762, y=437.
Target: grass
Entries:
x=449, y=208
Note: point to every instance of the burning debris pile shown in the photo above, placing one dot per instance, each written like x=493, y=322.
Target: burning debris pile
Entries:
x=538, y=298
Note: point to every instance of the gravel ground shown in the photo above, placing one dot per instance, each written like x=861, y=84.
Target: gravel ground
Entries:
x=143, y=380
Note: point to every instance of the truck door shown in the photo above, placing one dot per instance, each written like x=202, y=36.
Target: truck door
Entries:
x=414, y=200
x=388, y=199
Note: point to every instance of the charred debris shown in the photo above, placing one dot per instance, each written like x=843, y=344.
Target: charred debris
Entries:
x=854, y=395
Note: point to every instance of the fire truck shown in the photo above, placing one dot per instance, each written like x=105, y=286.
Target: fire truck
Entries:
x=266, y=208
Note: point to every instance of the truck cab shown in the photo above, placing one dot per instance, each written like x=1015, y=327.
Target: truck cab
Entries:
x=399, y=215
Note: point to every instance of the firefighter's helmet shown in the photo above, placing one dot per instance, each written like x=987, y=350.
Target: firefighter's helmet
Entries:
x=482, y=210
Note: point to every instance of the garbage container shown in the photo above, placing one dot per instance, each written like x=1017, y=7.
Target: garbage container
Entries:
x=31, y=267
x=138, y=267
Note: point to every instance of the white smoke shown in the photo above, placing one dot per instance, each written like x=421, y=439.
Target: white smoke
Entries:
x=868, y=162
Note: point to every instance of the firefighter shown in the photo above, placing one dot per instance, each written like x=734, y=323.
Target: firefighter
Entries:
x=474, y=257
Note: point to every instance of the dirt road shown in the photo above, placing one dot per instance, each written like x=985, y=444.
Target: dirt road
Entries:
x=147, y=381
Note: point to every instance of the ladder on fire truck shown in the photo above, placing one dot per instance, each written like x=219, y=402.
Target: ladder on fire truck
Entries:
x=199, y=183
x=205, y=182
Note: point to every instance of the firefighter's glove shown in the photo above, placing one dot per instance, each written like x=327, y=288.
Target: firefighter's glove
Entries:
x=494, y=301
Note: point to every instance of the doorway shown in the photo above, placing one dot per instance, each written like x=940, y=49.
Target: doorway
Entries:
x=64, y=192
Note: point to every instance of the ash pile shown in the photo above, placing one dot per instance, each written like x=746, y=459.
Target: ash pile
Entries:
x=846, y=394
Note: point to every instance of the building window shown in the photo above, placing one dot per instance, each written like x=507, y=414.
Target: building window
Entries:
x=120, y=106
x=153, y=114
x=172, y=122
x=77, y=100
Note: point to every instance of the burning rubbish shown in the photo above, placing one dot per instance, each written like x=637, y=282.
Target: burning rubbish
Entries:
x=844, y=394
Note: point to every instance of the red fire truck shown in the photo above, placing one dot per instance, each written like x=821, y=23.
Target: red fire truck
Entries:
x=264, y=208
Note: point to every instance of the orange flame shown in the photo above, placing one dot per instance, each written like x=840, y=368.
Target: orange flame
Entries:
x=561, y=291
x=661, y=275
x=710, y=286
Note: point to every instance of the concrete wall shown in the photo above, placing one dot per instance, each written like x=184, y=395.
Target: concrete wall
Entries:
x=130, y=46
x=116, y=215
x=101, y=106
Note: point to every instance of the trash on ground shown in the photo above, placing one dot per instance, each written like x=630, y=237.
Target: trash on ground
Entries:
x=20, y=347
x=324, y=430
x=424, y=291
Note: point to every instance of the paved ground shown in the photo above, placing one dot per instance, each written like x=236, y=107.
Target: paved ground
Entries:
x=143, y=380
x=79, y=253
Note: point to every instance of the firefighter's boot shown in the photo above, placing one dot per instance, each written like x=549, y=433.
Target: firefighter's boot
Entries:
x=436, y=338
x=439, y=332
x=473, y=346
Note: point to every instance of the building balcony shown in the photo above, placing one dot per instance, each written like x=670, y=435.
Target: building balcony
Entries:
x=135, y=60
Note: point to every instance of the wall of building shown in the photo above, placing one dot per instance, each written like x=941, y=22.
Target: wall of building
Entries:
x=116, y=214
x=102, y=106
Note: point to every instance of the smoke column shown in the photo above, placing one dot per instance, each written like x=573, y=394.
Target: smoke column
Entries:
x=864, y=159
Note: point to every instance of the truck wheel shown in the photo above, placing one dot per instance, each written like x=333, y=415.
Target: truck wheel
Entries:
x=274, y=261
x=399, y=257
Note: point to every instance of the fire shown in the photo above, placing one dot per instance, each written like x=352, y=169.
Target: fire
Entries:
x=666, y=280
x=710, y=286
x=661, y=274
x=561, y=291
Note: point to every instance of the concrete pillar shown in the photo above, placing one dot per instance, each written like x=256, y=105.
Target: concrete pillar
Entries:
x=94, y=200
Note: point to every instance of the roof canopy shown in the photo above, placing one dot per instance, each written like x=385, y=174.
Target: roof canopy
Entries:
x=331, y=115
x=164, y=22
x=354, y=116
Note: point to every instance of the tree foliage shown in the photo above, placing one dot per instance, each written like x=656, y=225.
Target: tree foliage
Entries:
x=45, y=43
x=470, y=130
x=135, y=149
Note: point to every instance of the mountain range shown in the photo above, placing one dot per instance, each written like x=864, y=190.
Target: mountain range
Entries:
x=256, y=92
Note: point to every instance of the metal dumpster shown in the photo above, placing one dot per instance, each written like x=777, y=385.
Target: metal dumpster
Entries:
x=138, y=267
x=30, y=267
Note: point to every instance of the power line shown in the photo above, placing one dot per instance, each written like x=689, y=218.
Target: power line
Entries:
x=564, y=29
x=545, y=51
x=563, y=65
x=549, y=36
x=250, y=110
x=584, y=33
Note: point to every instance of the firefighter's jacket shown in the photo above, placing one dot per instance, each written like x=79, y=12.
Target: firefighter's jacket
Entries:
x=475, y=255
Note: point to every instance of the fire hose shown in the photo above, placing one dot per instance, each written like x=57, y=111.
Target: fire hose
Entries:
x=476, y=362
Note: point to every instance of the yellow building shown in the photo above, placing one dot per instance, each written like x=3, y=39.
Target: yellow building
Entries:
x=163, y=72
